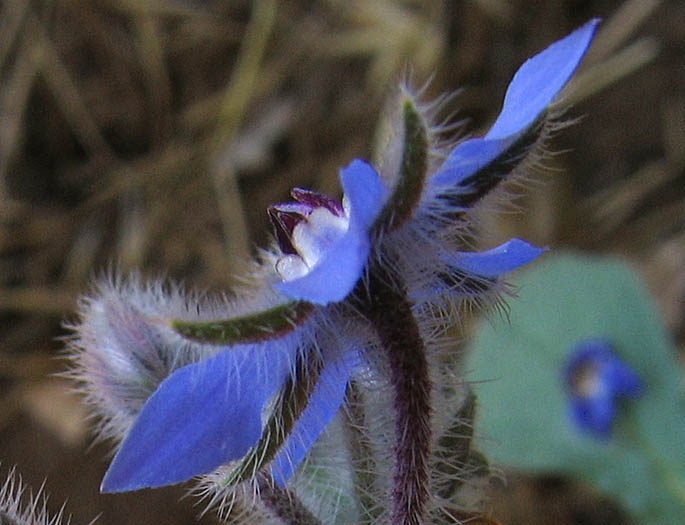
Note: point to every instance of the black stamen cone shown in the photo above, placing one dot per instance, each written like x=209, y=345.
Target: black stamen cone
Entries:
x=284, y=223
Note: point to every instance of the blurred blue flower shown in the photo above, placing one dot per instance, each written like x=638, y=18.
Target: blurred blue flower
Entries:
x=209, y=413
x=596, y=377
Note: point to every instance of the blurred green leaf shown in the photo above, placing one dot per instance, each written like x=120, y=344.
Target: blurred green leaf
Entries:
x=523, y=421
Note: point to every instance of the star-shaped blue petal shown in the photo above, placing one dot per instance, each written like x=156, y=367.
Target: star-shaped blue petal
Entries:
x=209, y=413
x=323, y=404
x=531, y=91
x=201, y=416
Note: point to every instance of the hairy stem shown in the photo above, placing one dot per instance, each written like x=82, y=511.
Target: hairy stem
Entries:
x=6, y=518
x=290, y=404
x=454, y=449
x=284, y=503
x=386, y=305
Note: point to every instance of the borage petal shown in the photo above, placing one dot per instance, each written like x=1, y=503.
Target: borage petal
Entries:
x=532, y=89
x=538, y=81
x=338, y=270
x=200, y=417
x=336, y=273
x=364, y=191
x=323, y=404
x=467, y=158
x=595, y=415
x=623, y=379
x=496, y=261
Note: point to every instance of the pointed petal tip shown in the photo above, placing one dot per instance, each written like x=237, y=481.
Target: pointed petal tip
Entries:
x=200, y=417
x=106, y=487
x=364, y=191
x=499, y=260
x=538, y=81
x=110, y=485
x=534, y=86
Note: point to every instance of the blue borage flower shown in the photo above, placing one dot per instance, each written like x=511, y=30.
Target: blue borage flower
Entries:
x=595, y=378
x=257, y=379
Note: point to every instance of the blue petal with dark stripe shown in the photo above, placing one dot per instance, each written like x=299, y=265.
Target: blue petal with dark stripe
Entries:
x=323, y=404
x=201, y=416
x=530, y=92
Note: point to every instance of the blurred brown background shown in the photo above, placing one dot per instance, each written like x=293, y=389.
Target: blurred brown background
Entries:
x=154, y=133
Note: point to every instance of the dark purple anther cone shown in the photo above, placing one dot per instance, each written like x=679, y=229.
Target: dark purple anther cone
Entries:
x=317, y=200
x=286, y=215
x=284, y=222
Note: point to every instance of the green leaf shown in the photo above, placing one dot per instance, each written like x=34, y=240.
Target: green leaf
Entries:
x=250, y=328
x=413, y=168
x=518, y=364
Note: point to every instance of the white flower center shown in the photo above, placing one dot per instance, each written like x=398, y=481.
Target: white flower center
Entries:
x=311, y=238
x=586, y=381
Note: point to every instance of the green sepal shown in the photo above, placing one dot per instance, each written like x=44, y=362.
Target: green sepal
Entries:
x=407, y=192
x=251, y=328
x=290, y=404
x=454, y=456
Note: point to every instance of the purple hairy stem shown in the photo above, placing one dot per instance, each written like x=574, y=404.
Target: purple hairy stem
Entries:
x=387, y=307
x=283, y=503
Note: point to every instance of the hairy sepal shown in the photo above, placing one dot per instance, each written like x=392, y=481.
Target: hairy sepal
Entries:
x=453, y=448
x=270, y=323
x=413, y=168
x=291, y=402
x=477, y=165
x=256, y=500
x=121, y=349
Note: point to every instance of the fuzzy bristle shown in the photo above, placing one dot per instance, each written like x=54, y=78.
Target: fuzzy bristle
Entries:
x=33, y=511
